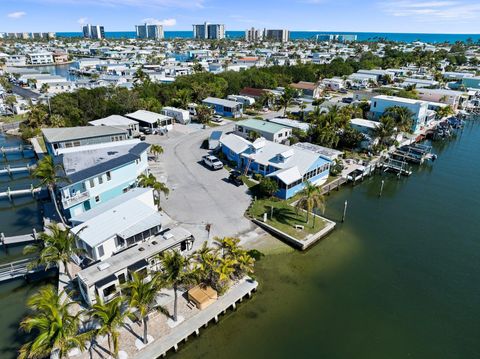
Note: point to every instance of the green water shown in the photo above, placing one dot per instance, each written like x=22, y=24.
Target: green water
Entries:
x=399, y=279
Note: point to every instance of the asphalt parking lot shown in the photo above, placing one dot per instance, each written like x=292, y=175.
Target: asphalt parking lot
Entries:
x=198, y=195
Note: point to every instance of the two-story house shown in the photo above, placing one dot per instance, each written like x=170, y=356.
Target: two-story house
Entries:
x=421, y=115
x=132, y=217
x=98, y=173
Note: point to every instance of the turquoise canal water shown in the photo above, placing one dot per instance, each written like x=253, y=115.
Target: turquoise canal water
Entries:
x=399, y=279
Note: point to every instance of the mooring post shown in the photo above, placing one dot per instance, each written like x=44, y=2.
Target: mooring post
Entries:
x=381, y=189
x=344, y=211
x=35, y=234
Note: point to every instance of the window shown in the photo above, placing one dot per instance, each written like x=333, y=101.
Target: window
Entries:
x=92, y=183
x=374, y=104
x=97, y=199
x=111, y=289
x=240, y=129
x=261, y=168
x=280, y=135
x=109, y=176
x=100, y=250
x=121, y=278
x=100, y=179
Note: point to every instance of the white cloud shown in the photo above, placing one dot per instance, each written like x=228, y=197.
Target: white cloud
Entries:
x=17, y=14
x=166, y=22
x=82, y=20
x=431, y=11
x=185, y=4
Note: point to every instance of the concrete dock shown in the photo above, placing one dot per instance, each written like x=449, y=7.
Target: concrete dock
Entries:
x=192, y=326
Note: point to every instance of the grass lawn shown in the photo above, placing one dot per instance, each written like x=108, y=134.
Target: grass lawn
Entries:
x=14, y=118
x=249, y=183
x=41, y=142
x=285, y=217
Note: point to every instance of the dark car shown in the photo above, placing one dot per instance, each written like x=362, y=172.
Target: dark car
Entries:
x=235, y=178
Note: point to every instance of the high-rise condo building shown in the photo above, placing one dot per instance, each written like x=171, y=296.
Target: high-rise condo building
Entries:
x=253, y=35
x=146, y=31
x=277, y=35
x=93, y=32
x=209, y=31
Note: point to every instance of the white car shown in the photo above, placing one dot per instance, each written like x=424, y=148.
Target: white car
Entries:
x=213, y=162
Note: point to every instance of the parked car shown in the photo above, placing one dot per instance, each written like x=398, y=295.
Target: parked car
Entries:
x=213, y=162
x=347, y=100
x=217, y=118
x=344, y=91
x=236, y=178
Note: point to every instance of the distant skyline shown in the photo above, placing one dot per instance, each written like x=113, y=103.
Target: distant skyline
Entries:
x=428, y=16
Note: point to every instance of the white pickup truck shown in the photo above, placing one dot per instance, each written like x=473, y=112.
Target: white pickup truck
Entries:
x=213, y=162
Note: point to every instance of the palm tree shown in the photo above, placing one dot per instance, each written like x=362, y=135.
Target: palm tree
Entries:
x=140, y=77
x=141, y=294
x=286, y=98
x=56, y=330
x=385, y=129
x=110, y=316
x=56, y=245
x=176, y=272
x=45, y=87
x=204, y=114
x=156, y=150
x=445, y=111
x=311, y=199
x=403, y=117
x=158, y=187
x=50, y=175
x=182, y=98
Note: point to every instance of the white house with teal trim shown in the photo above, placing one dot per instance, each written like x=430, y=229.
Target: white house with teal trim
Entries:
x=98, y=173
x=421, y=115
x=289, y=166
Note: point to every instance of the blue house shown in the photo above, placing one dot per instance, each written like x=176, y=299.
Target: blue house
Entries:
x=99, y=173
x=223, y=107
x=289, y=166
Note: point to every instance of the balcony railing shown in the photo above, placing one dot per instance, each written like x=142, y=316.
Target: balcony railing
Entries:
x=78, y=198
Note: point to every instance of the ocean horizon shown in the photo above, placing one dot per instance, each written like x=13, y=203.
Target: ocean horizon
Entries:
x=310, y=35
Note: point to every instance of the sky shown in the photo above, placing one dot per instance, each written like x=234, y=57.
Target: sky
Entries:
x=424, y=16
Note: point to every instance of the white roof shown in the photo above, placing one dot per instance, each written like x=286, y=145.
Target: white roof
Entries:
x=397, y=99
x=289, y=175
x=113, y=120
x=273, y=154
x=147, y=116
x=364, y=123
x=222, y=102
x=120, y=219
x=236, y=143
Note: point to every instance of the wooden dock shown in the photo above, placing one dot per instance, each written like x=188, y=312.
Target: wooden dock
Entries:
x=399, y=167
x=18, y=169
x=15, y=269
x=24, y=150
x=24, y=238
x=327, y=188
x=192, y=326
x=9, y=193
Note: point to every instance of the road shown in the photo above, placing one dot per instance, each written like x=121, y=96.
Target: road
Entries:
x=25, y=93
x=198, y=195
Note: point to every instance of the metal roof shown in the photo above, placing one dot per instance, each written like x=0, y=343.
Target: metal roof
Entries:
x=85, y=164
x=263, y=126
x=123, y=220
x=53, y=135
x=221, y=102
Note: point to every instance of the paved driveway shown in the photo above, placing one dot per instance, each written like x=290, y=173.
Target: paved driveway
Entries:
x=198, y=195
